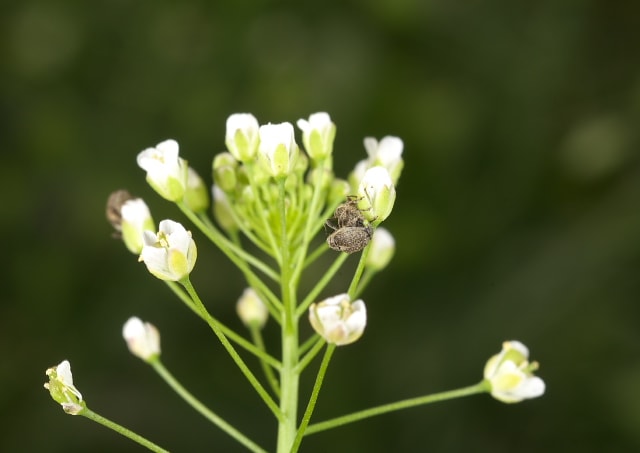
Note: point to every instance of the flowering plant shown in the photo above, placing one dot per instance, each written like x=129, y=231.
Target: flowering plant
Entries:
x=269, y=193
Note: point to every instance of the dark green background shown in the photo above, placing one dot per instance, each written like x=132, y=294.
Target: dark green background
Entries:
x=517, y=217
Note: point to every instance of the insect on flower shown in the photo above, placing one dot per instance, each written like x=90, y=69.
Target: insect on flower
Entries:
x=114, y=210
x=351, y=233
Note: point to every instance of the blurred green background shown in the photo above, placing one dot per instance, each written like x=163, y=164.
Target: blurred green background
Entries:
x=518, y=213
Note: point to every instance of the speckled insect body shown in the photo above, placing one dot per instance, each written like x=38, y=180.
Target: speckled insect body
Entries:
x=350, y=239
x=351, y=232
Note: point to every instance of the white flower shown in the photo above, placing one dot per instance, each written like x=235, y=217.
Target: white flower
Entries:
x=62, y=390
x=171, y=253
x=278, y=150
x=377, y=194
x=143, y=339
x=251, y=309
x=166, y=171
x=136, y=219
x=317, y=135
x=381, y=249
x=242, y=136
x=338, y=320
x=510, y=374
x=386, y=153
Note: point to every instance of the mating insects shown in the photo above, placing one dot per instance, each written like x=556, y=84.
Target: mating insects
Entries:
x=351, y=233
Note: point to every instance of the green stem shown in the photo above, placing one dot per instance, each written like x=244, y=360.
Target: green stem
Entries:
x=309, y=343
x=233, y=252
x=364, y=282
x=202, y=409
x=315, y=254
x=319, y=342
x=230, y=333
x=122, y=430
x=326, y=278
x=275, y=252
x=404, y=404
x=230, y=349
x=256, y=335
x=314, y=397
x=289, y=377
x=273, y=304
x=359, y=270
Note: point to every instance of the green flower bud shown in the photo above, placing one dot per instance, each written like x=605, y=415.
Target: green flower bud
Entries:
x=318, y=134
x=196, y=196
x=377, y=194
x=242, y=136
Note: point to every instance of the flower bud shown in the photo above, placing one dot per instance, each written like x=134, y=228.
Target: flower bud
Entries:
x=277, y=149
x=338, y=191
x=338, y=320
x=242, y=136
x=222, y=210
x=171, y=253
x=224, y=171
x=381, y=250
x=196, y=196
x=62, y=390
x=510, y=374
x=318, y=134
x=136, y=219
x=251, y=309
x=166, y=171
x=377, y=195
x=386, y=153
x=143, y=339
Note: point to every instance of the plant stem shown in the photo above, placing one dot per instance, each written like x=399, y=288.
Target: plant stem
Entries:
x=122, y=430
x=230, y=349
x=289, y=377
x=404, y=404
x=204, y=411
x=256, y=336
x=231, y=334
x=314, y=396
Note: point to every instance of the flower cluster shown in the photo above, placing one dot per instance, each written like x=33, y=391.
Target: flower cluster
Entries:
x=268, y=202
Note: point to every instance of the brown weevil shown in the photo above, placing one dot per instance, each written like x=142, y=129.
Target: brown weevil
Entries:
x=351, y=233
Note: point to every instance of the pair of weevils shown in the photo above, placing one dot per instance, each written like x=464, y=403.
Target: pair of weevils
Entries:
x=351, y=231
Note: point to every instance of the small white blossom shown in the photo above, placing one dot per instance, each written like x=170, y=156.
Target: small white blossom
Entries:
x=377, y=194
x=136, y=218
x=318, y=134
x=242, y=136
x=510, y=374
x=338, y=320
x=381, y=250
x=386, y=153
x=143, y=339
x=166, y=171
x=251, y=309
x=62, y=390
x=277, y=150
x=169, y=254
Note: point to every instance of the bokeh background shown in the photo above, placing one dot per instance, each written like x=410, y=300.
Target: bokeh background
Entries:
x=518, y=213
